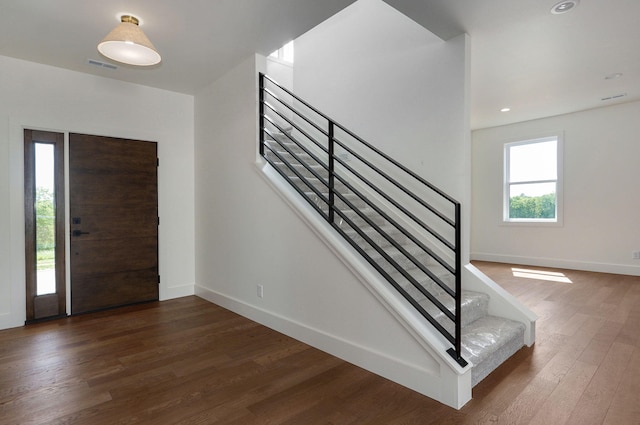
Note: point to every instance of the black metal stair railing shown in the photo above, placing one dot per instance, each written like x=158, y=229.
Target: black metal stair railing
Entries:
x=373, y=201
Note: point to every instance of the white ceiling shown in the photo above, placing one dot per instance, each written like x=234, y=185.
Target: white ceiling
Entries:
x=522, y=56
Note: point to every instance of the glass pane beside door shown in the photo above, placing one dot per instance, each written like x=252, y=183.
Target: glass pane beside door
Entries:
x=45, y=209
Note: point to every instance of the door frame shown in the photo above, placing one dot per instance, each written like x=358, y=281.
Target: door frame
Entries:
x=15, y=307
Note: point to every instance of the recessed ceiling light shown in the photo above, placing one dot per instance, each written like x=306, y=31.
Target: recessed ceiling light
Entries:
x=564, y=6
x=613, y=76
x=505, y=109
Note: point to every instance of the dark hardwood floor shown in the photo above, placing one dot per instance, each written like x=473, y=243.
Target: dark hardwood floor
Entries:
x=187, y=361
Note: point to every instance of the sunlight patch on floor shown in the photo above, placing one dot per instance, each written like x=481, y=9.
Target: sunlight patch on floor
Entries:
x=540, y=275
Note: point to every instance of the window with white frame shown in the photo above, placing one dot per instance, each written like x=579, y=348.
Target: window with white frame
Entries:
x=532, y=189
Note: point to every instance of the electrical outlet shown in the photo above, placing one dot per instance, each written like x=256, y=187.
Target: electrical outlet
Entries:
x=260, y=291
x=635, y=255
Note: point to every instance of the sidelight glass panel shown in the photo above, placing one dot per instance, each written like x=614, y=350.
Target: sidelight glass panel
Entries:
x=45, y=211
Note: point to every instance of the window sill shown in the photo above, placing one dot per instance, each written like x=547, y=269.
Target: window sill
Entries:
x=532, y=223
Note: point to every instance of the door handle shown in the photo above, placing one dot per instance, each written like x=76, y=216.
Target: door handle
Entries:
x=79, y=233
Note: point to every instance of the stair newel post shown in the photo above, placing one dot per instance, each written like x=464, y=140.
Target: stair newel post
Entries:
x=458, y=260
x=331, y=173
x=261, y=112
x=456, y=351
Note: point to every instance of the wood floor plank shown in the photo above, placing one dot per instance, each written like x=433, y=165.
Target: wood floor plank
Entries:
x=571, y=326
x=598, y=395
x=625, y=406
x=573, y=347
x=527, y=403
x=187, y=361
x=562, y=401
x=629, y=333
x=601, y=343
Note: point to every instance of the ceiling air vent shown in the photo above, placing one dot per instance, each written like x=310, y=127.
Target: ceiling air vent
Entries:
x=101, y=64
x=614, y=97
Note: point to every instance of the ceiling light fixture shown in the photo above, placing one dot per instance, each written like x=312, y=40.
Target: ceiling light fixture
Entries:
x=564, y=6
x=505, y=109
x=128, y=44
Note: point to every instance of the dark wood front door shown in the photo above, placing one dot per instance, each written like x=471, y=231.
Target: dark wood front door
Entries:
x=113, y=202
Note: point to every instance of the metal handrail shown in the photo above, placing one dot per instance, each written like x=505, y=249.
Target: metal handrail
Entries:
x=322, y=192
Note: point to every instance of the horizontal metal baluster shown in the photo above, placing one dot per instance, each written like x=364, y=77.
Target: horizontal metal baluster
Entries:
x=333, y=177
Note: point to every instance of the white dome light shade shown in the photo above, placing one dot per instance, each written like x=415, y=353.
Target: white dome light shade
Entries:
x=128, y=44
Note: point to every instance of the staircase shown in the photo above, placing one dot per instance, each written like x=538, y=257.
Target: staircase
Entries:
x=487, y=341
x=416, y=252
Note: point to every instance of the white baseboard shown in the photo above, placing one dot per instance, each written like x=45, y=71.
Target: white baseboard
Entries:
x=559, y=263
x=426, y=382
x=8, y=320
x=177, y=291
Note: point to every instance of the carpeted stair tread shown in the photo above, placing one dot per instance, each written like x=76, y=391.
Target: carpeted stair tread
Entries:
x=410, y=267
x=407, y=245
x=488, y=342
x=320, y=185
x=302, y=170
x=435, y=268
x=300, y=156
x=374, y=235
x=354, y=199
x=284, y=145
x=280, y=137
x=358, y=220
x=475, y=305
x=423, y=280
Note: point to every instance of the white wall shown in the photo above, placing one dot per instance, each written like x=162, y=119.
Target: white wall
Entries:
x=280, y=71
x=601, y=202
x=48, y=98
x=396, y=85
